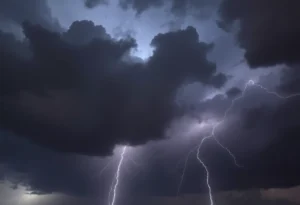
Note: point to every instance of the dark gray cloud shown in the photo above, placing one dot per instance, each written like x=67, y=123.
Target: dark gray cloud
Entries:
x=76, y=88
x=43, y=171
x=269, y=29
x=269, y=33
x=82, y=32
x=93, y=3
x=233, y=92
x=261, y=130
x=289, y=82
x=81, y=91
x=198, y=8
x=35, y=11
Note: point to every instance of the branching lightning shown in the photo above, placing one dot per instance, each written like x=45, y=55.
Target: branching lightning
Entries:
x=216, y=125
x=229, y=152
x=206, y=170
x=115, y=183
x=117, y=176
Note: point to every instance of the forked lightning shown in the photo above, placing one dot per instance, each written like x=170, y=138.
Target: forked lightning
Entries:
x=116, y=181
x=215, y=126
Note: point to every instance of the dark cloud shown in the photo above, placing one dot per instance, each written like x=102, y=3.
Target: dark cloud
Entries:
x=269, y=33
x=219, y=80
x=81, y=91
x=93, y=3
x=269, y=29
x=35, y=11
x=77, y=94
x=75, y=34
x=198, y=8
x=43, y=171
x=141, y=6
x=289, y=81
x=261, y=131
x=233, y=92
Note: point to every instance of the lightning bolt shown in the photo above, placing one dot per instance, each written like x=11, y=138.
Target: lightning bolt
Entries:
x=117, y=176
x=215, y=126
x=184, y=170
x=229, y=152
x=212, y=135
x=206, y=170
x=115, y=183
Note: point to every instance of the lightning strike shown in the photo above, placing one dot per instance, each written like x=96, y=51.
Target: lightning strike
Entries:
x=184, y=170
x=115, y=183
x=229, y=152
x=117, y=176
x=215, y=126
x=206, y=170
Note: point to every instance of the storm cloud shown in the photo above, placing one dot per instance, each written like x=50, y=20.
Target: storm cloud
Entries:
x=68, y=95
x=198, y=8
x=35, y=11
x=76, y=93
x=268, y=30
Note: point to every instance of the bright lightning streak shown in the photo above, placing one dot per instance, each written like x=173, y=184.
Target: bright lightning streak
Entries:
x=272, y=92
x=206, y=170
x=117, y=176
x=212, y=135
x=229, y=152
x=215, y=126
x=115, y=183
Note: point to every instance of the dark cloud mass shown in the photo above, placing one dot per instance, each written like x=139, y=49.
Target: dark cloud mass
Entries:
x=262, y=133
x=199, y=8
x=75, y=93
x=67, y=95
x=233, y=92
x=35, y=11
x=93, y=3
x=43, y=171
x=82, y=32
x=269, y=29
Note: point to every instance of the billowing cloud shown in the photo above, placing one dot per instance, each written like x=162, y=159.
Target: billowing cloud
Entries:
x=80, y=91
x=260, y=130
x=269, y=29
x=198, y=8
x=35, y=11
x=77, y=93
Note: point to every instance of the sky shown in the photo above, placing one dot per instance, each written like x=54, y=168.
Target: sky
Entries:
x=82, y=79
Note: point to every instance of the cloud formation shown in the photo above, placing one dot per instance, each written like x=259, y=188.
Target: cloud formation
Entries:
x=79, y=90
x=76, y=92
x=198, y=8
x=43, y=171
x=35, y=11
x=268, y=29
x=93, y=3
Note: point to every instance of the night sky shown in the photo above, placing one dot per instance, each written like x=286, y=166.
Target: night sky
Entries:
x=80, y=80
